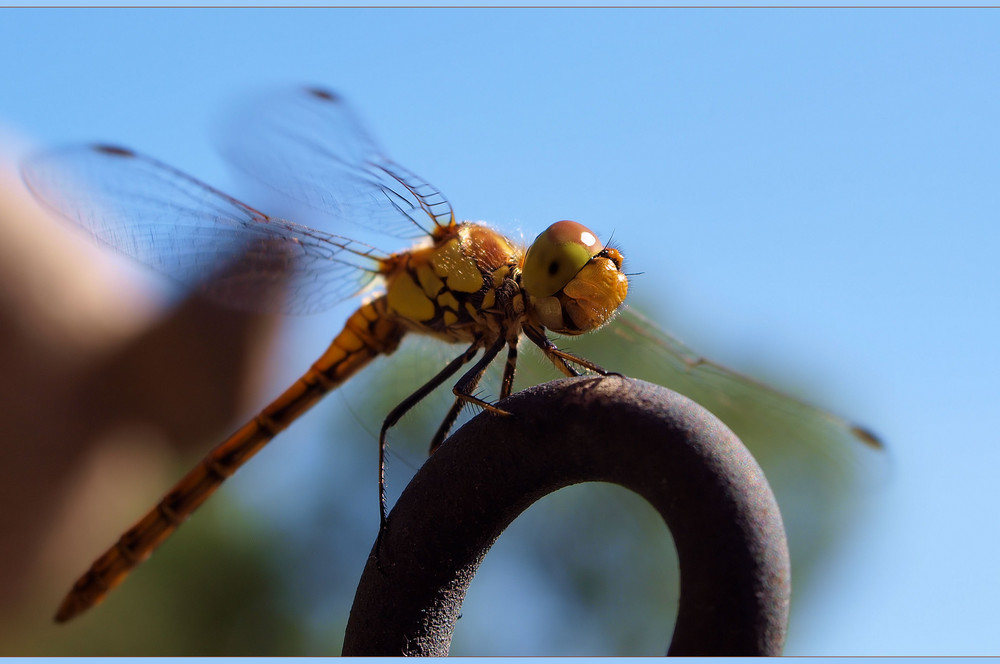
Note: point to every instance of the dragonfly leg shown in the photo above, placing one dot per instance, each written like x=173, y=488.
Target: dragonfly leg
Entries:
x=397, y=413
x=507, y=384
x=446, y=424
x=563, y=359
x=468, y=383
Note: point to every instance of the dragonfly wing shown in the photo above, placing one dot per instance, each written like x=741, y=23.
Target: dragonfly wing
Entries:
x=726, y=385
x=197, y=235
x=307, y=144
x=761, y=415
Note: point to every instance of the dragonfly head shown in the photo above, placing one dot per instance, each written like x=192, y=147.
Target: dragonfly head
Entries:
x=574, y=283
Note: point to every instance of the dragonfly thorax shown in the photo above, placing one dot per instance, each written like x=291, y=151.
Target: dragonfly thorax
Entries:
x=461, y=288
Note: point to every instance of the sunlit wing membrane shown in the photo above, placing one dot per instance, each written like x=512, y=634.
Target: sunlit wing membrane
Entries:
x=197, y=235
x=725, y=388
x=761, y=415
x=307, y=144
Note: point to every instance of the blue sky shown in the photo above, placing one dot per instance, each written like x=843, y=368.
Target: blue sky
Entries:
x=807, y=193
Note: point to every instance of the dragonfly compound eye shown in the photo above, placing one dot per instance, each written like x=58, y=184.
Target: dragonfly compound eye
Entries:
x=575, y=283
x=556, y=256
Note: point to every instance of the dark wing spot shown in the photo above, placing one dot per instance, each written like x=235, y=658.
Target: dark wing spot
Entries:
x=868, y=437
x=320, y=93
x=553, y=268
x=114, y=150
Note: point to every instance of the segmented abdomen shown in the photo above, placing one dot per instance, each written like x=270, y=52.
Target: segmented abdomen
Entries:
x=369, y=332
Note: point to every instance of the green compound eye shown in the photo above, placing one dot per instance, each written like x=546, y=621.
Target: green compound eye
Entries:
x=556, y=256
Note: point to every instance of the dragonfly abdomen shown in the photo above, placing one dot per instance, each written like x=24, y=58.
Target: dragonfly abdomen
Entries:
x=368, y=333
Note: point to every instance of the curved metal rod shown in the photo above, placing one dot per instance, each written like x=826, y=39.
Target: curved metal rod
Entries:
x=735, y=574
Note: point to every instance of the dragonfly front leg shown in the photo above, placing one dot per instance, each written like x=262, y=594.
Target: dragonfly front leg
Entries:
x=561, y=358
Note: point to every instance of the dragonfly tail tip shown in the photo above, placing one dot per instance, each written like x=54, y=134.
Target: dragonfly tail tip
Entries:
x=70, y=608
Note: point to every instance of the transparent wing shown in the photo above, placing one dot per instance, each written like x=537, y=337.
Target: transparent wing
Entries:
x=308, y=145
x=761, y=415
x=197, y=235
x=724, y=391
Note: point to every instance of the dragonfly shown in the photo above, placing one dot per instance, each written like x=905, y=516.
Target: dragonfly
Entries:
x=463, y=283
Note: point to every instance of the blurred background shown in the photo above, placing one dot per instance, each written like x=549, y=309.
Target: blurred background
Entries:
x=808, y=197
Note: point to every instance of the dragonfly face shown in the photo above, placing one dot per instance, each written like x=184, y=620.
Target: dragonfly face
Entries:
x=468, y=284
x=575, y=284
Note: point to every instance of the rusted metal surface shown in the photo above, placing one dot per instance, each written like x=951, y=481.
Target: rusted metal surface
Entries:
x=735, y=574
